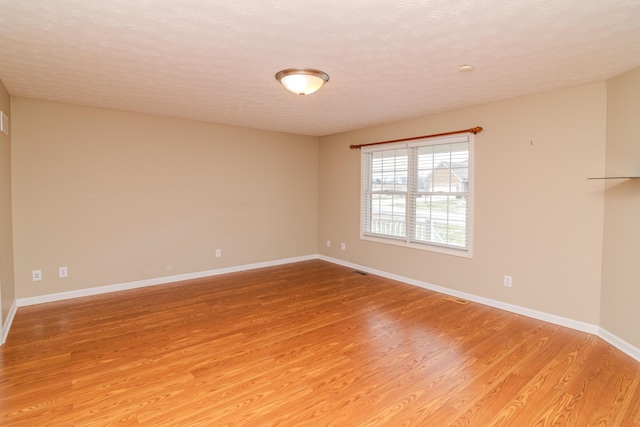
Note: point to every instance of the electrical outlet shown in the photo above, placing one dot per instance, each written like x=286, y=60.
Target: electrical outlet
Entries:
x=343, y=246
x=63, y=272
x=328, y=243
x=218, y=253
x=508, y=281
x=36, y=275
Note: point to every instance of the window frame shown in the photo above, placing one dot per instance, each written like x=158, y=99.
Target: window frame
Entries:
x=412, y=192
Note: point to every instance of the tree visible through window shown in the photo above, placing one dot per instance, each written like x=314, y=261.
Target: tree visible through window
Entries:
x=418, y=193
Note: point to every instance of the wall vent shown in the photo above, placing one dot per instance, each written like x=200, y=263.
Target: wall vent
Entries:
x=456, y=300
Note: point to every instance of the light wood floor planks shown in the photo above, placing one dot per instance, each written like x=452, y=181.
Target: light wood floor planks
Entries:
x=306, y=344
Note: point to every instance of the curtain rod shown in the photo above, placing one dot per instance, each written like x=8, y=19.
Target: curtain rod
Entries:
x=474, y=131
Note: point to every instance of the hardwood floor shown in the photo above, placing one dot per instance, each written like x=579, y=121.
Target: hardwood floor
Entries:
x=306, y=344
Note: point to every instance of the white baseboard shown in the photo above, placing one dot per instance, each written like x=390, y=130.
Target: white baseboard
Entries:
x=60, y=296
x=620, y=344
x=612, y=339
x=6, y=325
x=535, y=314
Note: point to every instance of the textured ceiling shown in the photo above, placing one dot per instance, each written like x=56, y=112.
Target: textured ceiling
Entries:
x=215, y=60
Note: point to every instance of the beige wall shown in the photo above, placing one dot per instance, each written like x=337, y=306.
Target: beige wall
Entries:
x=537, y=217
x=620, y=266
x=119, y=197
x=7, y=292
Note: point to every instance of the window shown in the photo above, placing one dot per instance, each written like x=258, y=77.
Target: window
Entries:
x=418, y=194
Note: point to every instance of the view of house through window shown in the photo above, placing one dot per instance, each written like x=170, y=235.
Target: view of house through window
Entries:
x=418, y=193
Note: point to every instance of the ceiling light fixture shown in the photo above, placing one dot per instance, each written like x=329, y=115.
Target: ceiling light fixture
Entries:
x=302, y=81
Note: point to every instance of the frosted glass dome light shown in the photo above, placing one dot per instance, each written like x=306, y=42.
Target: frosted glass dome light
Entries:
x=302, y=81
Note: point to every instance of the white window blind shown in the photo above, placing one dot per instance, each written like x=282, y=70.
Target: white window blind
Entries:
x=419, y=193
